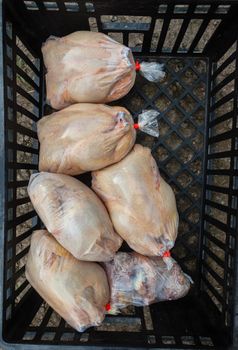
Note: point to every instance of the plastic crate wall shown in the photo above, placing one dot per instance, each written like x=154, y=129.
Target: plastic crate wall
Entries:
x=208, y=29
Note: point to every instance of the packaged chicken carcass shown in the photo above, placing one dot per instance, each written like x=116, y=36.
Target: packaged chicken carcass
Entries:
x=77, y=290
x=90, y=67
x=141, y=204
x=74, y=215
x=138, y=280
x=86, y=137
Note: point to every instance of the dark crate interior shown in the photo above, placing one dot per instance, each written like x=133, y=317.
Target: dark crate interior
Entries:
x=196, y=152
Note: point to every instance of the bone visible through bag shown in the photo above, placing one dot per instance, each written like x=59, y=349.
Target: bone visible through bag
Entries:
x=77, y=290
x=138, y=280
x=141, y=204
x=84, y=137
x=74, y=215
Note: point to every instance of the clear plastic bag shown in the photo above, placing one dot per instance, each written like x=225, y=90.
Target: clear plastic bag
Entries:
x=138, y=280
x=85, y=67
x=141, y=204
x=152, y=71
x=148, y=123
x=77, y=290
x=74, y=215
x=104, y=133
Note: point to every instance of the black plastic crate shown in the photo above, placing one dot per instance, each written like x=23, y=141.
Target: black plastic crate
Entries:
x=197, y=152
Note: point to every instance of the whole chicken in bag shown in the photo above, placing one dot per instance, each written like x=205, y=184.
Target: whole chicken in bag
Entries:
x=86, y=137
x=89, y=67
x=77, y=290
x=137, y=280
x=141, y=204
x=74, y=215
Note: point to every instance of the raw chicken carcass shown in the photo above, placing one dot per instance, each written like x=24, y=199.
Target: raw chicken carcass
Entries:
x=141, y=204
x=138, y=280
x=87, y=67
x=77, y=290
x=74, y=215
x=84, y=137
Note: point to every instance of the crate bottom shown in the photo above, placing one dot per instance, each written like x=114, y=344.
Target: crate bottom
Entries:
x=185, y=322
x=179, y=152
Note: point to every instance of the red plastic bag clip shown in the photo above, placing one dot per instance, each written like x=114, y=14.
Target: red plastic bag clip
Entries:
x=137, y=65
x=107, y=307
x=166, y=254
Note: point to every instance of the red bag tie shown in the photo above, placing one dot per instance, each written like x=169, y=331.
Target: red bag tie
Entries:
x=108, y=307
x=147, y=122
x=166, y=254
x=137, y=65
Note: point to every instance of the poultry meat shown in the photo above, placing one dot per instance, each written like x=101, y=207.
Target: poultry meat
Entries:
x=141, y=204
x=74, y=215
x=138, y=280
x=77, y=290
x=86, y=67
x=84, y=137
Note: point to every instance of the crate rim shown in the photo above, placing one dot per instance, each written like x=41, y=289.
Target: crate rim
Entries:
x=28, y=346
x=2, y=176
